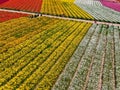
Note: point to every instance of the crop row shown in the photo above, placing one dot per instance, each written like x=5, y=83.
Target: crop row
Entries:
x=24, y=5
x=117, y=57
x=53, y=7
x=66, y=9
x=50, y=60
x=27, y=64
x=67, y=75
x=21, y=31
x=50, y=78
x=94, y=65
x=68, y=0
x=98, y=11
x=4, y=16
x=16, y=52
x=34, y=49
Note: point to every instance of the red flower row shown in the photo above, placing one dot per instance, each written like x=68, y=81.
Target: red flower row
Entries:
x=25, y=5
x=4, y=16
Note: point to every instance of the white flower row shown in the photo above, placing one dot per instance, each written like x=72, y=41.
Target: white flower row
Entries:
x=117, y=55
x=98, y=11
x=74, y=75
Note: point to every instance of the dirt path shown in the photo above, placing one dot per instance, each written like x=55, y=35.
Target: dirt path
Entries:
x=65, y=18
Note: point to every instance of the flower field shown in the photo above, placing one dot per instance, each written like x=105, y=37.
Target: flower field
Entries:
x=66, y=9
x=112, y=4
x=33, y=55
x=98, y=11
x=4, y=16
x=24, y=5
x=95, y=64
x=59, y=45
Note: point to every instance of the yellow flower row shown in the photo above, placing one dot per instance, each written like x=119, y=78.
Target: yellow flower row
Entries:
x=35, y=60
x=60, y=8
x=49, y=79
x=35, y=29
x=21, y=62
x=49, y=61
x=68, y=0
x=22, y=49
